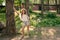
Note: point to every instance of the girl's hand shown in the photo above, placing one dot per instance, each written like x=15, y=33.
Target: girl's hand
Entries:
x=16, y=11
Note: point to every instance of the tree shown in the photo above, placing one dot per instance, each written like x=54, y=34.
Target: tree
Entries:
x=10, y=22
x=56, y=5
x=59, y=7
x=42, y=7
x=48, y=5
x=27, y=6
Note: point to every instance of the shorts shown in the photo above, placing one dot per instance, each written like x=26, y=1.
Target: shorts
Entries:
x=26, y=23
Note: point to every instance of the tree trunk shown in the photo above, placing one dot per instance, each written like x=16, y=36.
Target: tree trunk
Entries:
x=42, y=7
x=56, y=5
x=10, y=22
x=27, y=6
x=48, y=5
x=59, y=7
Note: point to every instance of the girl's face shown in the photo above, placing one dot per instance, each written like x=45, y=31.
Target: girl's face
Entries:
x=23, y=12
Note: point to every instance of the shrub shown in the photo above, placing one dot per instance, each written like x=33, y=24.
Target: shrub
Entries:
x=50, y=15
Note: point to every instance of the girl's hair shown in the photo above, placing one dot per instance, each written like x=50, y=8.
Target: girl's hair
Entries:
x=25, y=11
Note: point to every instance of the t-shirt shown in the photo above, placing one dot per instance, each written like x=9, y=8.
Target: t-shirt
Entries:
x=24, y=17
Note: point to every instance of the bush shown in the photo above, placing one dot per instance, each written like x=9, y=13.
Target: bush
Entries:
x=50, y=19
x=50, y=15
x=50, y=22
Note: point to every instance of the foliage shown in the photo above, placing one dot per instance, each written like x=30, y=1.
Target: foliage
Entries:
x=17, y=2
x=50, y=22
x=50, y=15
x=2, y=10
x=49, y=19
x=1, y=1
x=2, y=18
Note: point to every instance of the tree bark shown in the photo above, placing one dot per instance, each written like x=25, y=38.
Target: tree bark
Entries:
x=27, y=6
x=10, y=22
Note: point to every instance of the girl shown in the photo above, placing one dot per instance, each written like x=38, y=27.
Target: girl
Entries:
x=24, y=18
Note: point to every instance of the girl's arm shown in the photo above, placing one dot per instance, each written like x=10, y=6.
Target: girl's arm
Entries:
x=15, y=10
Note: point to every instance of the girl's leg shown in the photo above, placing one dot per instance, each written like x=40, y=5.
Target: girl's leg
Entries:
x=28, y=28
x=23, y=30
x=28, y=25
x=28, y=31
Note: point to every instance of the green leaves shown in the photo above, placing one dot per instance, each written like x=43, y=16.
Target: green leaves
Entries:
x=50, y=22
x=50, y=15
x=1, y=1
x=17, y=2
x=2, y=10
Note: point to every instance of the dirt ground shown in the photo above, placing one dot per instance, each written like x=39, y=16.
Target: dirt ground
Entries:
x=42, y=33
